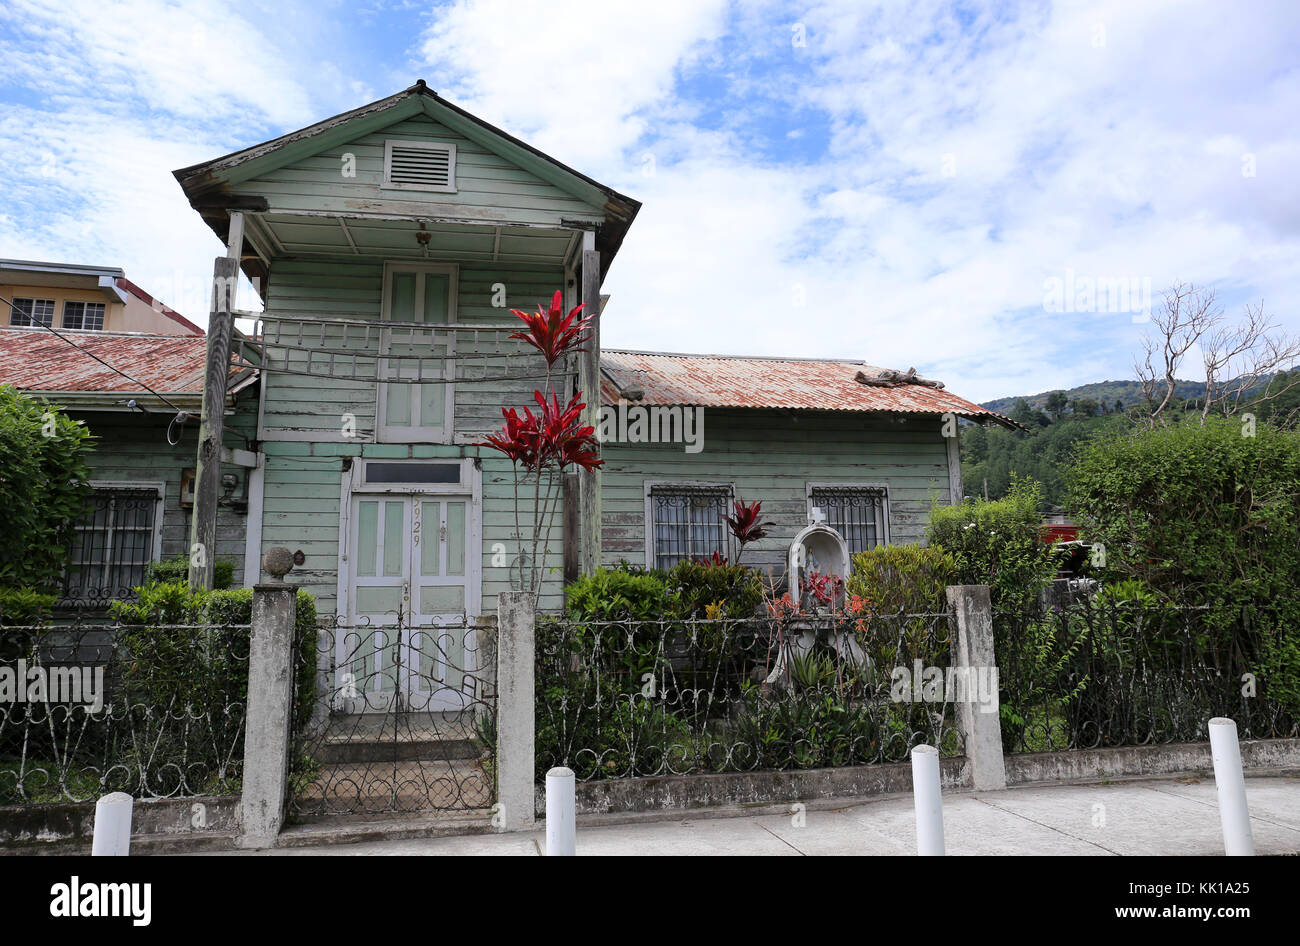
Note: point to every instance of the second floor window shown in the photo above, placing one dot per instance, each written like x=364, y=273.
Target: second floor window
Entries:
x=419, y=301
x=84, y=315
x=28, y=312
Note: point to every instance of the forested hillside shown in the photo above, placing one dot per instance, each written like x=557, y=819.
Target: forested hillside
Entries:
x=990, y=456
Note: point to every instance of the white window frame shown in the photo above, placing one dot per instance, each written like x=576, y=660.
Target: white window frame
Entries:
x=423, y=144
x=652, y=485
x=103, y=309
x=14, y=310
x=158, y=510
x=883, y=488
x=393, y=433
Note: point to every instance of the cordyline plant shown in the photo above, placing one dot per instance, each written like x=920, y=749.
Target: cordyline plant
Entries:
x=745, y=524
x=545, y=444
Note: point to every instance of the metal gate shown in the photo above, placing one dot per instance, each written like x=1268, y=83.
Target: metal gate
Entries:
x=403, y=719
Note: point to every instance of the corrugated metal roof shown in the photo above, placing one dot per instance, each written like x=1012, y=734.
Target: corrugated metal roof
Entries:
x=790, y=383
x=36, y=360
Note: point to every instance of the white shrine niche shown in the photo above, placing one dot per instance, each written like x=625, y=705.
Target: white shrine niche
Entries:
x=820, y=549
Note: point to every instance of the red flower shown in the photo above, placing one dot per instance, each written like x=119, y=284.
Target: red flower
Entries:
x=552, y=332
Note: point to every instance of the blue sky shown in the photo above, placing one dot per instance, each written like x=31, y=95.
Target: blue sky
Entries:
x=902, y=183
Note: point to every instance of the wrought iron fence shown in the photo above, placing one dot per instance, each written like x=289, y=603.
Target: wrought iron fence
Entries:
x=675, y=697
x=404, y=719
x=1089, y=675
x=90, y=708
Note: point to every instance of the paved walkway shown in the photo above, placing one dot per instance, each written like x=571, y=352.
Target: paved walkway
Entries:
x=1156, y=816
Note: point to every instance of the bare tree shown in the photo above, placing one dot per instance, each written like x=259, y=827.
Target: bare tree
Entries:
x=1235, y=356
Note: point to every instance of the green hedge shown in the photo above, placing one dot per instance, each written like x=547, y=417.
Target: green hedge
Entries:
x=178, y=569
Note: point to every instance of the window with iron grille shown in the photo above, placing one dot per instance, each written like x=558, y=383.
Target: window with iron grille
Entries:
x=856, y=512
x=114, y=544
x=30, y=312
x=687, y=522
x=88, y=316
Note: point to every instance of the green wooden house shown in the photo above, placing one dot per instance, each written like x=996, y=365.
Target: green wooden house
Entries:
x=388, y=244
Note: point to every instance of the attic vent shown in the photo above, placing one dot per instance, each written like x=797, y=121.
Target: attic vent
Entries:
x=420, y=165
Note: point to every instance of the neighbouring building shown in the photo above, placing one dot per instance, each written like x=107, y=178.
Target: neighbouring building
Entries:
x=84, y=299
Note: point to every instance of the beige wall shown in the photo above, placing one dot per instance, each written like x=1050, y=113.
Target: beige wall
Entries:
x=133, y=316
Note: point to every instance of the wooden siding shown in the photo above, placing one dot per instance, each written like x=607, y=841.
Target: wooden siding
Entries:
x=133, y=446
x=488, y=187
x=771, y=456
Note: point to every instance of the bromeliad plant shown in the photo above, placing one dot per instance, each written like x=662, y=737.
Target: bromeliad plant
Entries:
x=544, y=445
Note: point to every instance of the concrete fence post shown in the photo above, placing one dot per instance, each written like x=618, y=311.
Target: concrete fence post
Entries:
x=977, y=706
x=270, y=712
x=1234, y=816
x=112, y=837
x=561, y=813
x=516, y=639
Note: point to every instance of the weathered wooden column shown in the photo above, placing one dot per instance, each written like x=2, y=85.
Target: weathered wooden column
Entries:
x=589, y=384
x=207, y=467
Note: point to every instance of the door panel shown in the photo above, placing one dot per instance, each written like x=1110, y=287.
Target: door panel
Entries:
x=410, y=587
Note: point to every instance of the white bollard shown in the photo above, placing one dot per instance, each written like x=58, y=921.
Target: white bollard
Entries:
x=1233, y=813
x=561, y=811
x=929, y=801
x=112, y=826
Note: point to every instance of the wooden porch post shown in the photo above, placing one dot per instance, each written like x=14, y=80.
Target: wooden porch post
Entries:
x=589, y=384
x=207, y=467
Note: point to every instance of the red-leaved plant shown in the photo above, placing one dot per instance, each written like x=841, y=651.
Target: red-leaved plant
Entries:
x=545, y=444
x=745, y=524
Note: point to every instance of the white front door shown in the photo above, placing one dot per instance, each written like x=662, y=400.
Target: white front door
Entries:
x=408, y=646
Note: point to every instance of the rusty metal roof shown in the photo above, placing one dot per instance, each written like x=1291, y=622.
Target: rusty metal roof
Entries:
x=789, y=383
x=36, y=360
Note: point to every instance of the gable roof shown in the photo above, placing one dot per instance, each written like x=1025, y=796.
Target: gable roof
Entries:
x=665, y=378
x=173, y=365
x=210, y=184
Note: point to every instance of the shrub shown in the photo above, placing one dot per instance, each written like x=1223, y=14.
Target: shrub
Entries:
x=998, y=543
x=21, y=606
x=910, y=579
x=1208, y=517
x=44, y=488
x=211, y=661
x=613, y=594
x=698, y=589
x=178, y=569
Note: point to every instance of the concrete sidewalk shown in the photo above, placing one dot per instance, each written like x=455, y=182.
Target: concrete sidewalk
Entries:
x=1170, y=816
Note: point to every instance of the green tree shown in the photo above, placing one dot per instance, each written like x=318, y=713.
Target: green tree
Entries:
x=1057, y=401
x=44, y=488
